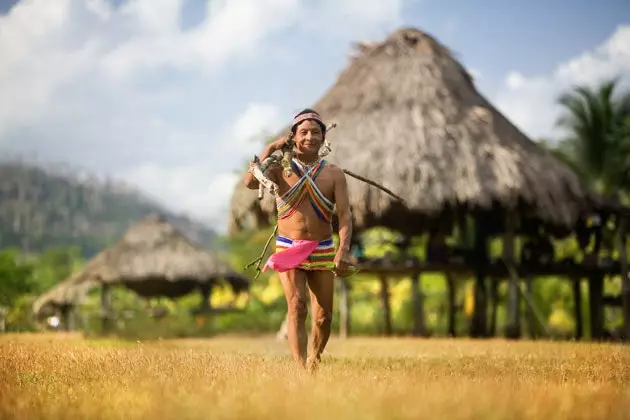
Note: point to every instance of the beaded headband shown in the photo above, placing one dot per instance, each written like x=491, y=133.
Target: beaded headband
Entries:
x=308, y=116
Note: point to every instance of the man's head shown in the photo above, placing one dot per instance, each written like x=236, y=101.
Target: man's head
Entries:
x=309, y=131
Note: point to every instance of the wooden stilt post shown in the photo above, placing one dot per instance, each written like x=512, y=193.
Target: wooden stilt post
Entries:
x=206, y=293
x=529, y=310
x=625, y=280
x=450, y=287
x=596, y=305
x=344, y=308
x=494, y=300
x=107, y=315
x=419, y=327
x=577, y=308
x=3, y=316
x=68, y=317
x=478, y=325
x=387, y=312
x=513, y=326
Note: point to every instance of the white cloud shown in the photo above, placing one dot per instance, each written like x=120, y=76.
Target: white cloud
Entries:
x=101, y=8
x=129, y=91
x=530, y=102
x=204, y=186
x=365, y=12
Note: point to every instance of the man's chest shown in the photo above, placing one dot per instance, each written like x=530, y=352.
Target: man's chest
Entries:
x=322, y=181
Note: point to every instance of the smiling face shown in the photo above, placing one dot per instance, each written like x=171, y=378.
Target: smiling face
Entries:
x=309, y=137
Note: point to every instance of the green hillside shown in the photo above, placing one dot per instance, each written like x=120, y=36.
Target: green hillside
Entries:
x=42, y=207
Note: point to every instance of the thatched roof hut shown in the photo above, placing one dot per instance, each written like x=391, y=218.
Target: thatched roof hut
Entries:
x=66, y=294
x=409, y=117
x=153, y=259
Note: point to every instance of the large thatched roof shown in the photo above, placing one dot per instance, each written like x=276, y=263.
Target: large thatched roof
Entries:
x=155, y=259
x=410, y=117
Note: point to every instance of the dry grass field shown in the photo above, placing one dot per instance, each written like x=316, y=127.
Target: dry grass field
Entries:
x=64, y=376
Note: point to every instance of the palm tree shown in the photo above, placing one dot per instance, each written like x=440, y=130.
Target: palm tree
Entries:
x=598, y=141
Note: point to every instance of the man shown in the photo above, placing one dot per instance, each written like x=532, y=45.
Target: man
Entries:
x=305, y=253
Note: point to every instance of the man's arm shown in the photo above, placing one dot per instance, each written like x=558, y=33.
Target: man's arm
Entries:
x=249, y=180
x=342, y=202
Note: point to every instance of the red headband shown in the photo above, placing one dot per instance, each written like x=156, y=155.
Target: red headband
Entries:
x=310, y=116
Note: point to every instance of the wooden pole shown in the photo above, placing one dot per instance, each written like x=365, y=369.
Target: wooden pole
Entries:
x=344, y=308
x=494, y=299
x=529, y=309
x=387, y=311
x=419, y=327
x=478, y=325
x=106, y=308
x=450, y=286
x=206, y=293
x=3, y=316
x=68, y=317
x=625, y=280
x=596, y=305
x=513, y=326
x=577, y=308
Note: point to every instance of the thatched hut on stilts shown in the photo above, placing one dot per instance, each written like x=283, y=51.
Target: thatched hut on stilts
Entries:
x=153, y=259
x=410, y=117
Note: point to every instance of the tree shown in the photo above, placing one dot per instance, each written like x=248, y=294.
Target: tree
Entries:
x=15, y=277
x=597, y=142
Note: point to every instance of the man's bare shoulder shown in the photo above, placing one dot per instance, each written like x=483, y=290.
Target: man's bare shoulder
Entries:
x=335, y=170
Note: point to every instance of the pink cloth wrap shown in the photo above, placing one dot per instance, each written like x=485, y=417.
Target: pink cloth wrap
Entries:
x=290, y=258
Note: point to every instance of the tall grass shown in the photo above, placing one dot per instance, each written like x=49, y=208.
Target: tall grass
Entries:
x=66, y=377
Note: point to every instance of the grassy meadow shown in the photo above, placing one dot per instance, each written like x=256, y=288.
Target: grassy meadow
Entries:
x=55, y=376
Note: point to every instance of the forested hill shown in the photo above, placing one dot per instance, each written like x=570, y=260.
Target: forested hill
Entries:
x=41, y=207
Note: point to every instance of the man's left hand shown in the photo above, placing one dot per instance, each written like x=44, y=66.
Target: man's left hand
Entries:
x=342, y=263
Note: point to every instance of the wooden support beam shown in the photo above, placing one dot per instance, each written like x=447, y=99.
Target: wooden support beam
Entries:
x=625, y=279
x=529, y=308
x=478, y=324
x=4, y=311
x=344, y=308
x=513, y=326
x=68, y=320
x=205, y=290
x=419, y=326
x=494, y=308
x=577, y=308
x=107, y=312
x=452, y=305
x=596, y=306
x=387, y=311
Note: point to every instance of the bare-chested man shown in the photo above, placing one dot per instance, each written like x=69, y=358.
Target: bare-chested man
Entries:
x=305, y=252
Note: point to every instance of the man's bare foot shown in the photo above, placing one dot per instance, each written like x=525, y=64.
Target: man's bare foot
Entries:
x=312, y=364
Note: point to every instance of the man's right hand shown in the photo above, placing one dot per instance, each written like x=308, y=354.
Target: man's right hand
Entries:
x=278, y=144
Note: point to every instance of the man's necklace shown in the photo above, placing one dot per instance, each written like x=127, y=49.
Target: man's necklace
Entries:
x=307, y=165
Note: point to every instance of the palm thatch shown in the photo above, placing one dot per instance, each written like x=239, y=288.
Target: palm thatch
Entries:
x=410, y=118
x=66, y=294
x=155, y=259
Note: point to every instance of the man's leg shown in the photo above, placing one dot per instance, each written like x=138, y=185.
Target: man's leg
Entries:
x=294, y=285
x=322, y=287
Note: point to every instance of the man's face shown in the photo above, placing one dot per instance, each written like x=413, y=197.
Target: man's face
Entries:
x=309, y=137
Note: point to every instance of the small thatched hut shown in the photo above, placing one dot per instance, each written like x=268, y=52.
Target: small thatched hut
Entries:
x=62, y=299
x=64, y=295
x=409, y=117
x=153, y=259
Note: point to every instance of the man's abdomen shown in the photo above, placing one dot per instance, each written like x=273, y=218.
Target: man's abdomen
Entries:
x=305, y=224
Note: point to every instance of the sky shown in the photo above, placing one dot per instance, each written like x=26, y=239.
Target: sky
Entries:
x=174, y=96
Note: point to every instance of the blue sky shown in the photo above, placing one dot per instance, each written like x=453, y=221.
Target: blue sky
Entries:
x=173, y=95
